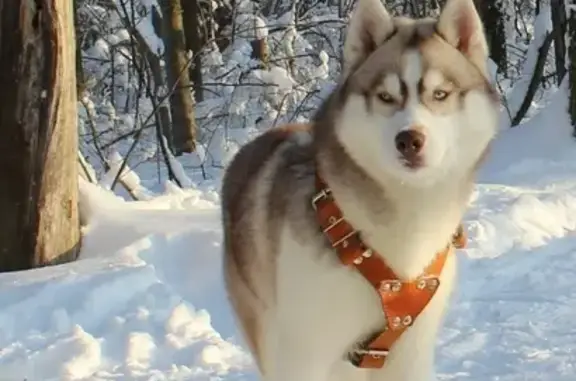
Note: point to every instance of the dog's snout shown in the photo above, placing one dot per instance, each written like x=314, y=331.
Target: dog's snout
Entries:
x=410, y=142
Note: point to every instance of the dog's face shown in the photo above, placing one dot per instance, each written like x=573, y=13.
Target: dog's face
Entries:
x=418, y=105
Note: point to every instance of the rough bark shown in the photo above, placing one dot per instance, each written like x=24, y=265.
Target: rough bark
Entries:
x=494, y=25
x=558, y=12
x=39, y=222
x=181, y=102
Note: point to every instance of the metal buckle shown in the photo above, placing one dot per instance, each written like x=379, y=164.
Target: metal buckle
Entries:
x=373, y=352
x=324, y=193
x=356, y=354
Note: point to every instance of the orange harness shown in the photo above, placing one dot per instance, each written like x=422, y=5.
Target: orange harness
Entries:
x=402, y=301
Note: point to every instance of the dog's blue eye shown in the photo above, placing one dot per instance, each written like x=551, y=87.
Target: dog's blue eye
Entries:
x=386, y=98
x=440, y=95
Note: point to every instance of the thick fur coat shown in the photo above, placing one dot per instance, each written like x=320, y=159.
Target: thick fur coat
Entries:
x=398, y=142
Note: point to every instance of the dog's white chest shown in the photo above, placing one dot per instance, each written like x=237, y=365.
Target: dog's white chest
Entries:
x=324, y=308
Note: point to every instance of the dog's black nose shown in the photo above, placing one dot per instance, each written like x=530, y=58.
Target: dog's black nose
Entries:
x=409, y=143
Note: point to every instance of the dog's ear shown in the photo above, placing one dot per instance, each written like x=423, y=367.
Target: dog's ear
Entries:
x=369, y=26
x=460, y=25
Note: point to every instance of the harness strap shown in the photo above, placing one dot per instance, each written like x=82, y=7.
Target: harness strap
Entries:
x=402, y=301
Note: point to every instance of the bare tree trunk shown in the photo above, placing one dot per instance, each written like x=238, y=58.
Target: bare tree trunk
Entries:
x=572, y=69
x=493, y=18
x=223, y=17
x=80, y=85
x=535, y=80
x=39, y=222
x=196, y=38
x=259, y=42
x=261, y=51
x=181, y=102
x=558, y=11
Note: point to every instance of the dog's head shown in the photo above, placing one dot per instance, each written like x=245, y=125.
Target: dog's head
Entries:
x=417, y=103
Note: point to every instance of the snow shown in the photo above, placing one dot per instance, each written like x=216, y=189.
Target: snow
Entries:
x=146, y=301
x=322, y=71
x=145, y=26
x=128, y=177
x=570, y=6
x=251, y=27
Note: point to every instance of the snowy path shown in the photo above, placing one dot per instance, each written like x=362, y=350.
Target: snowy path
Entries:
x=137, y=315
x=140, y=314
x=512, y=317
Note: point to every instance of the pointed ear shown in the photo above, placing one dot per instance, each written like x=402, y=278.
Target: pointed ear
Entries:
x=461, y=26
x=369, y=26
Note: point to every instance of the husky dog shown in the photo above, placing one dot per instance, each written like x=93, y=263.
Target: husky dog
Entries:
x=398, y=143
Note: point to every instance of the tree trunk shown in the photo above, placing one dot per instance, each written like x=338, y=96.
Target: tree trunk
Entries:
x=261, y=52
x=181, y=102
x=558, y=11
x=572, y=56
x=196, y=38
x=80, y=85
x=493, y=18
x=535, y=80
x=223, y=17
x=39, y=222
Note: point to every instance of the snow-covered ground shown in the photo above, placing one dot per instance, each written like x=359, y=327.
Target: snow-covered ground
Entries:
x=146, y=300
